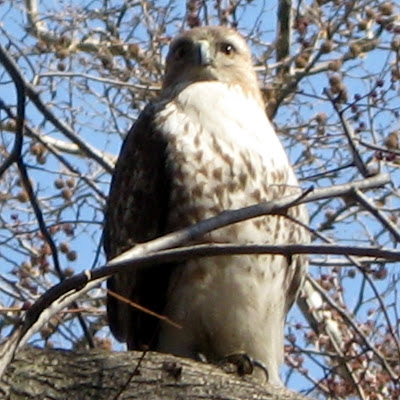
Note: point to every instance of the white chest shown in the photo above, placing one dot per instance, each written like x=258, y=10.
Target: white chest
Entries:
x=213, y=109
x=223, y=153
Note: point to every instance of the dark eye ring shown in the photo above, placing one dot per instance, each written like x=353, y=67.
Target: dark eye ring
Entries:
x=227, y=49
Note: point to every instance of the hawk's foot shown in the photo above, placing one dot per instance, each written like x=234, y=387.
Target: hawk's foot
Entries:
x=201, y=357
x=245, y=364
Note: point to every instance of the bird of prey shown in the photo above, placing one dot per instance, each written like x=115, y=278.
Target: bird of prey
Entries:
x=205, y=146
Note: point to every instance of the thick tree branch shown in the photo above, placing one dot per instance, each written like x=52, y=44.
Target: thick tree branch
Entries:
x=102, y=375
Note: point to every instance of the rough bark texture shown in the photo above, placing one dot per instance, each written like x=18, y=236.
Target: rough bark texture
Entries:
x=60, y=374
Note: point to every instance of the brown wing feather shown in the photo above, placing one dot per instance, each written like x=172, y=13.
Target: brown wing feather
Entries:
x=136, y=212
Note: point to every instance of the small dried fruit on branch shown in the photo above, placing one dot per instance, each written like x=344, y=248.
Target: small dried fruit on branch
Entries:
x=22, y=196
x=64, y=247
x=59, y=183
x=392, y=141
x=327, y=46
x=321, y=118
x=72, y=255
x=386, y=8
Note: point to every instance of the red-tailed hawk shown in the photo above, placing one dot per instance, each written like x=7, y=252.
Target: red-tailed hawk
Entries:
x=203, y=147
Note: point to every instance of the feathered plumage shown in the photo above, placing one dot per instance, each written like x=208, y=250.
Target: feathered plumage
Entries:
x=203, y=147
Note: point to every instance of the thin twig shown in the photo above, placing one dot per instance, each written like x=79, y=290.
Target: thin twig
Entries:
x=143, y=309
x=11, y=67
x=49, y=240
x=349, y=132
x=15, y=156
x=48, y=144
x=351, y=322
x=107, y=81
x=30, y=90
x=378, y=214
x=359, y=265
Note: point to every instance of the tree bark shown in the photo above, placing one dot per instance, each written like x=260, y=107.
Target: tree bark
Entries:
x=81, y=375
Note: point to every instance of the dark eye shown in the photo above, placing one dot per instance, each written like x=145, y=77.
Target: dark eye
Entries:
x=227, y=49
x=180, y=52
x=181, y=48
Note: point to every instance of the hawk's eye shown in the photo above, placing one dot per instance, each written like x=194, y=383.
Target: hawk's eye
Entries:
x=227, y=49
x=180, y=52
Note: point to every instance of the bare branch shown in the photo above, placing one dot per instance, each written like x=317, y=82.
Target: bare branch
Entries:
x=355, y=327
x=348, y=130
x=380, y=216
x=69, y=290
x=49, y=115
x=283, y=43
x=11, y=68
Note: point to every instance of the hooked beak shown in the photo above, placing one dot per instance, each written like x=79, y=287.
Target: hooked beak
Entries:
x=204, y=55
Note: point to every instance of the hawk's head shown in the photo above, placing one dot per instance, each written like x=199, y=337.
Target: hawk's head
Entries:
x=207, y=54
